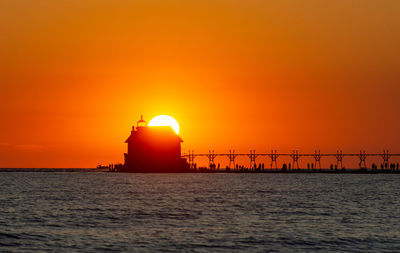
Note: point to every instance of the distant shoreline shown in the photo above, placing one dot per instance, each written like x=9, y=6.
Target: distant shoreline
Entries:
x=52, y=170
x=266, y=171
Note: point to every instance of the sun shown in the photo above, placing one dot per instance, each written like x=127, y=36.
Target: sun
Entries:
x=165, y=120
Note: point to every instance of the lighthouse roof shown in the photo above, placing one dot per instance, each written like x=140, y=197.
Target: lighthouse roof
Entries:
x=155, y=134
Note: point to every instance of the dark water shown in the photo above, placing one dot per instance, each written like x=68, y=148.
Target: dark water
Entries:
x=95, y=212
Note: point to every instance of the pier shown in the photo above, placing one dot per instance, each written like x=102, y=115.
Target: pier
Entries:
x=295, y=156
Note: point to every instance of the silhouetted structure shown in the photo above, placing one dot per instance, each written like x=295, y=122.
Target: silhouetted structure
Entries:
x=295, y=157
x=154, y=149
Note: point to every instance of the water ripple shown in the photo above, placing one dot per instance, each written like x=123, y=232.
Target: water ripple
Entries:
x=96, y=212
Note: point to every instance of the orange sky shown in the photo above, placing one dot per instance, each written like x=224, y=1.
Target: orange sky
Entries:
x=75, y=75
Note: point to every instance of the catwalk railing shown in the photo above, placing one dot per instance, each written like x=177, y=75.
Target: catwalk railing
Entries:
x=295, y=156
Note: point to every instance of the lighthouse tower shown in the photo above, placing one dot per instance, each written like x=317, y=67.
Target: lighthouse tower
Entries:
x=154, y=149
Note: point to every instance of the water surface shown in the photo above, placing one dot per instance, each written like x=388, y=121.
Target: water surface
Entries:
x=91, y=212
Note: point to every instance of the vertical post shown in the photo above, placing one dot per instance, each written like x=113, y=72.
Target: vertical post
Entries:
x=232, y=157
x=317, y=157
x=274, y=157
x=191, y=159
x=211, y=157
x=339, y=159
x=385, y=157
x=295, y=157
x=252, y=157
x=362, y=157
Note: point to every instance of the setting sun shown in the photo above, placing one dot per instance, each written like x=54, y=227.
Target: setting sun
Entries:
x=165, y=120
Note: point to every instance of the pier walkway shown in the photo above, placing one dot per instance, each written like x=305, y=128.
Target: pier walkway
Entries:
x=294, y=156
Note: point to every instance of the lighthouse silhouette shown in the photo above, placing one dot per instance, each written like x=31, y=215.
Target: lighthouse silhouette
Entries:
x=155, y=149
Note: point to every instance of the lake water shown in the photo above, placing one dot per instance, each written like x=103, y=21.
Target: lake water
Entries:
x=95, y=212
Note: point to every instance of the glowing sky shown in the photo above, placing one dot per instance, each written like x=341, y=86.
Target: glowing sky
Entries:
x=75, y=75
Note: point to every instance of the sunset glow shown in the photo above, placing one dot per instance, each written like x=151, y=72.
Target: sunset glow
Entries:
x=76, y=75
x=165, y=120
